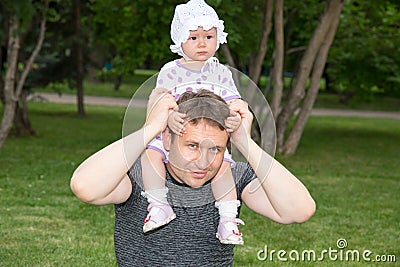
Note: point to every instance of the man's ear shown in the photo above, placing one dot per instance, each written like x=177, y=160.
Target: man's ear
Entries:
x=166, y=138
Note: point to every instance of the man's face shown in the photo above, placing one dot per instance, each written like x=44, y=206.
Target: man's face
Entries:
x=196, y=157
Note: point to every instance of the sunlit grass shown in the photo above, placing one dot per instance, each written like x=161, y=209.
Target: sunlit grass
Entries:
x=351, y=166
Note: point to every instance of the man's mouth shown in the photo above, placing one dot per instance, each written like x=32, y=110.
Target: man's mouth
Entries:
x=199, y=174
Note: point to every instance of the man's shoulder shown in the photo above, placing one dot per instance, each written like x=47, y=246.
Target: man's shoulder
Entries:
x=240, y=168
x=243, y=174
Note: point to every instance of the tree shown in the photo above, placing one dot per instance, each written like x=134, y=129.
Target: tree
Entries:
x=257, y=60
x=136, y=32
x=276, y=76
x=146, y=24
x=20, y=14
x=78, y=55
x=248, y=35
x=311, y=66
x=365, y=57
x=67, y=50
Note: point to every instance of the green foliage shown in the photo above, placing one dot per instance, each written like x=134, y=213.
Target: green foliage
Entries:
x=301, y=19
x=365, y=57
x=136, y=31
x=24, y=10
x=244, y=32
x=57, y=60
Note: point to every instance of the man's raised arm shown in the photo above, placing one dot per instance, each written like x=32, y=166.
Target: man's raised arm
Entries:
x=277, y=193
x=102, y=178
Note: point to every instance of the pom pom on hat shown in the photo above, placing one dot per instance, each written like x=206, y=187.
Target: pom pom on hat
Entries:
x=188, y=17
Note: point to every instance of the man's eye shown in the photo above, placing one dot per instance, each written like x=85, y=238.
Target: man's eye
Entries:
x=193, y=146
x=215, y=149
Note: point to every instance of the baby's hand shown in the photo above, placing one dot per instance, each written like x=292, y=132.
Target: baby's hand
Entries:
x=232, y=123
x=175, y=122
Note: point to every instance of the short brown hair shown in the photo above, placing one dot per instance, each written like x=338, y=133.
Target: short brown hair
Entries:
x=204, y=105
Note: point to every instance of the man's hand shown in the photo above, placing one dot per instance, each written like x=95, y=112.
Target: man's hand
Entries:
x=160, y=104
x=242, y=134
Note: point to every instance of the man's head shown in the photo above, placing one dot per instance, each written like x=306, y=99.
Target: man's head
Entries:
x=196, y=156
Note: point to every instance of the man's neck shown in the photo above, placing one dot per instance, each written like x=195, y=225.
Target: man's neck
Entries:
x=173, y=176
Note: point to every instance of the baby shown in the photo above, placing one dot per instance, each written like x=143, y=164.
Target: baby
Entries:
x=197, y=33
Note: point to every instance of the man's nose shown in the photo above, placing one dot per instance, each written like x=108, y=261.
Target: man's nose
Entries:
x=204, y=159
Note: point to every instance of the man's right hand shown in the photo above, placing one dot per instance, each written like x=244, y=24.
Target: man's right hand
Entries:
x=160, y=103
x=243, y=133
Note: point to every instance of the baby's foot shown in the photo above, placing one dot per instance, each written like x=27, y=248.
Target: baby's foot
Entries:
x=228, y=232
x=159, y=214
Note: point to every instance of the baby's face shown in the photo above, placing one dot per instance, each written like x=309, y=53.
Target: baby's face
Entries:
x=201, y=44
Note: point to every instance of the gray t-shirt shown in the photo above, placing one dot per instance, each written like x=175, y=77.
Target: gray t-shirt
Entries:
x=188, y=240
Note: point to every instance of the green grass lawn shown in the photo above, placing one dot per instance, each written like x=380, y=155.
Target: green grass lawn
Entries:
x=350, y=165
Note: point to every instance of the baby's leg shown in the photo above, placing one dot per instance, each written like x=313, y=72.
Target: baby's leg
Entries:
x=224, y=190
x=223, y=185
x=153, y=170
x=153, y=174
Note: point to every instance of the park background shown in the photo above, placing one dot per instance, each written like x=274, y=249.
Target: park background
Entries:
x=335, y=54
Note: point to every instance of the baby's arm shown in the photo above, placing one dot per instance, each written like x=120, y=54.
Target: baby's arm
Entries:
x=175, y=122
x=232, y=123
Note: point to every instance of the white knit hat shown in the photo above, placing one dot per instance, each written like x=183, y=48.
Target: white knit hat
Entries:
x=188, y=17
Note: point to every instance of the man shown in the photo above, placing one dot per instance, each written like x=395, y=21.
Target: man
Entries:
x=113, y=176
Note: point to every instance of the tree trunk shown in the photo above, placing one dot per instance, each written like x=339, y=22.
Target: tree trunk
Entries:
x=293, y=139
x=22, y=124
x=256, y=66
x=29, y=63
x=3, y=60
x=79, y=59
x=228, y=55
x=279, y=56
x=305, y=66
x=10, y=80
x=117, y=82
x=13, y=90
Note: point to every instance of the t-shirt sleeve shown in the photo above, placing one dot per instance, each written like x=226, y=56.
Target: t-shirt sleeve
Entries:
x=243, y=174
x=135, y=175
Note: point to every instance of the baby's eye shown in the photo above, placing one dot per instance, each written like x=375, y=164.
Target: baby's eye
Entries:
x=210, y=36
x=193, y=38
